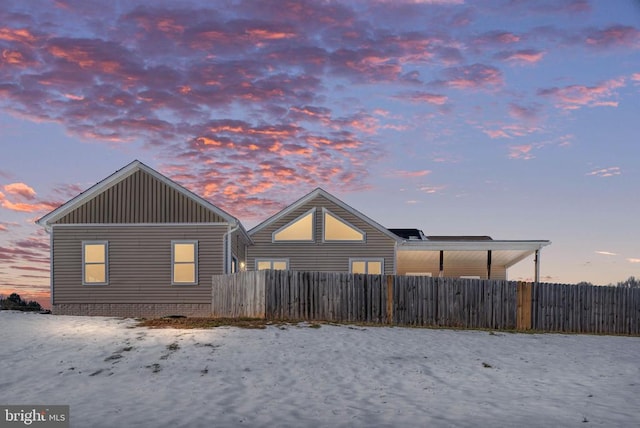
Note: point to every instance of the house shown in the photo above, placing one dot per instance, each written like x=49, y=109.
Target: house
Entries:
x=139, y=244
x=319, y=232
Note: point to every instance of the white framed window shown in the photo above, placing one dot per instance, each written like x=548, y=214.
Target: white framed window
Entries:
x=366, y=265
x=299, y=230
x=184, y=262
x=273, y=264
x=339, y=230
x=95, y=263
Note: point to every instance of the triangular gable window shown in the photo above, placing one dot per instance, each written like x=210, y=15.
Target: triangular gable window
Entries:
x=300, y=229
x=337, y=229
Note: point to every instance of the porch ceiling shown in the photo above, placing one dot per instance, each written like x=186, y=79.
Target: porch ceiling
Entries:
x=472, y=257
x=503, y=253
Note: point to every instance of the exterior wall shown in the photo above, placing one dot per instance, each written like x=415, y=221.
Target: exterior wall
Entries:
x=140, y=198
x=133, y=310
x=317, y=255
x=239, y=247
x=139, y=264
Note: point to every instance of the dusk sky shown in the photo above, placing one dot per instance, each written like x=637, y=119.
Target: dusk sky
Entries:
x=517, y=119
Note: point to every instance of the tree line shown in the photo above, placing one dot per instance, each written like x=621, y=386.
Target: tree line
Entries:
x=631, y=282
x=15, y=303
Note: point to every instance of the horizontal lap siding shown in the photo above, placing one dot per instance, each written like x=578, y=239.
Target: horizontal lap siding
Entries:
x=319, y=256
x=139, y=263
x=140, y=198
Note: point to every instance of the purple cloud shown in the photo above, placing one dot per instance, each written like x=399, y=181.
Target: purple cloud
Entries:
x=576, y=96
x=476, y=76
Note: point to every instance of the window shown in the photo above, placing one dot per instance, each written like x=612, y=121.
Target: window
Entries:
x=95, y=263
x=368, y=266
x=275, y=264
x=300, y=229
x=184, y=265
x=337, y=229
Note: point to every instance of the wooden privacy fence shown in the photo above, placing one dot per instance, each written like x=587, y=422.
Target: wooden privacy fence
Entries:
x=426, y=301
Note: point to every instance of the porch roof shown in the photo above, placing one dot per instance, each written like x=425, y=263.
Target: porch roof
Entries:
x=503, y=252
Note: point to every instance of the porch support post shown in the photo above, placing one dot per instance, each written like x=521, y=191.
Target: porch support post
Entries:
x=489, y=264
x=536, y=261
x=441, y=274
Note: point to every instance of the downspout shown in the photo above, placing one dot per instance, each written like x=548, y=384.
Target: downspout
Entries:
x=49, y=231
x=227, y=240
x=537, y=266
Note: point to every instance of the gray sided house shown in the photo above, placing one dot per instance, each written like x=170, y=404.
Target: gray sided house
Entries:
x=138, y=244
x=321, y=233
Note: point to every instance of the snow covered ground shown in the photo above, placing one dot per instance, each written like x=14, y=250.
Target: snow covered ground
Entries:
x=114, y=374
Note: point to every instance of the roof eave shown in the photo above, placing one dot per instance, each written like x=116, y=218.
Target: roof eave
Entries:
x=528, y=245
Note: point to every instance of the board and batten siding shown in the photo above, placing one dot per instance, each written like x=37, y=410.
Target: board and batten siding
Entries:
x=322, y=256
x=140, y=198
x=139, y=263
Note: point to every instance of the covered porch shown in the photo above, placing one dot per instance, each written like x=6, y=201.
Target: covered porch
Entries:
x=467, y=257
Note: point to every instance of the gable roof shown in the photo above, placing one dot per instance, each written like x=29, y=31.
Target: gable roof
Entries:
x=121, y=175
x=314, y=194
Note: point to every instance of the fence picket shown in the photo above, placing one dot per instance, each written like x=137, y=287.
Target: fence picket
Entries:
x=413, y=300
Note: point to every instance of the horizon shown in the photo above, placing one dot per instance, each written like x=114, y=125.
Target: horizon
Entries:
x=516, y=120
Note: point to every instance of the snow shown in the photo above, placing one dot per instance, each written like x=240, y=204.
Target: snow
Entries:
x=114, y=374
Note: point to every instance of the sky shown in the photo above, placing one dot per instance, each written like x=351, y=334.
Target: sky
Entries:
x=510, y=118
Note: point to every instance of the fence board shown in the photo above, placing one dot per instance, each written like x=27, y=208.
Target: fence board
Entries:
x=426, y=301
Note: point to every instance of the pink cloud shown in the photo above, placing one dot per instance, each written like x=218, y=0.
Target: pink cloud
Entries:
x=576, y=96
x=26, y=199
x=20, y=35
x=426, y=97
x=615, y=35
x=524, y=56
x=476, y=76
x=25, y=207
x=511, y=131
x=547, y=7
x=497, y=38
x=526, y=113
x=633, y=260
x=410, y=174
x=20, y=189
x=522, y=152
x=3, y=228
x=606, y=253
x=606, y=172
x=431, y=189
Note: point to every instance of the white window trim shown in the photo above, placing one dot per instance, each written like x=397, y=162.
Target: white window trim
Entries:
x=313, y=229
x=195, y=261
x=340, y=219
x=106, y=262
x=266, y=259
x=367, y=260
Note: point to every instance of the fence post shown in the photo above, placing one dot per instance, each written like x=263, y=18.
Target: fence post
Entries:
x=523, y=315
x=389, y=299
